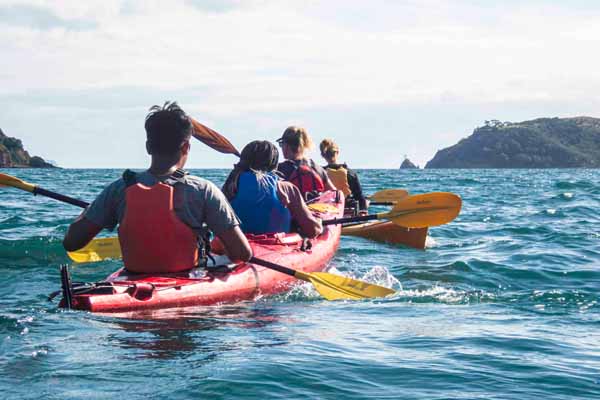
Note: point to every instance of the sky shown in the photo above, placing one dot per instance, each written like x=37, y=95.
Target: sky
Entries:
x=384, y=79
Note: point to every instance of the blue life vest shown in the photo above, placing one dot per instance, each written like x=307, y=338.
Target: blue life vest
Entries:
x=257, y=205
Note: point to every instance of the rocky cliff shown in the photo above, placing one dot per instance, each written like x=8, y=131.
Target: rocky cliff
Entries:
x=540, y=143
x=407, y=164
x=12, y=154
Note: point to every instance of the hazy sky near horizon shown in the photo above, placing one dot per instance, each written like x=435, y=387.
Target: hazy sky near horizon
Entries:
x=382, y=78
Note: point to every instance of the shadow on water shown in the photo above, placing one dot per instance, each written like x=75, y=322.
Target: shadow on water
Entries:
x=205, y=331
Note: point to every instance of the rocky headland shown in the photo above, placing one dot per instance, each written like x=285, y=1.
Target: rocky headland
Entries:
x=407, y=164
x=13, y=155
x=539, y=143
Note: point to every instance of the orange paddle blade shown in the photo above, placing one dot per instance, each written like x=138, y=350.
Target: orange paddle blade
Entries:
x=422, y=210
x=388, y=195
x=212, y=139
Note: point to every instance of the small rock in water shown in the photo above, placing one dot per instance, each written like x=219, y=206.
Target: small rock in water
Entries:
x=407, y=164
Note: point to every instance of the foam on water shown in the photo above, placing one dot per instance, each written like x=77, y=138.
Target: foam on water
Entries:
x=503, y=303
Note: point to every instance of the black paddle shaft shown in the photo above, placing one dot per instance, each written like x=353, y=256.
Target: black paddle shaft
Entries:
x=270, y=265
x=60, y=197
x=360, y=218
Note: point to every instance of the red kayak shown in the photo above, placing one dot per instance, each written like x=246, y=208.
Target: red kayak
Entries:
x=123, y=291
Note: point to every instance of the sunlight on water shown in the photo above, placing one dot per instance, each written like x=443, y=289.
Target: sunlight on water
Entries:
x=503, y=303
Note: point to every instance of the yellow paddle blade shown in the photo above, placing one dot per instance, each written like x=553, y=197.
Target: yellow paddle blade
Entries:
x=8, y=180
x=323, y=208
x=388, y=195
x=97, y=250
x=336, y=287
x=422, y=210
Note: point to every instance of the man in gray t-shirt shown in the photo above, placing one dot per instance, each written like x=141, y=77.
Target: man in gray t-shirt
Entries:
x=197, y=202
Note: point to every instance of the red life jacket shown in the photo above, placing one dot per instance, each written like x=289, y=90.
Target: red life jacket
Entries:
x=153, y=239
x=306, y=178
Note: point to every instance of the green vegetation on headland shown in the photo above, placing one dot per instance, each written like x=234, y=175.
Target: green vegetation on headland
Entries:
x=13, y=155
x=540, y=143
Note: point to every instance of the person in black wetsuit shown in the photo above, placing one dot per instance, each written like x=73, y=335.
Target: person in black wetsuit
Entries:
x=343, y=177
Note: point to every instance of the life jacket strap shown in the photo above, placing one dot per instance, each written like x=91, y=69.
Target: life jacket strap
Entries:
x=204, y=249
x=178, y=175
x=129, y=177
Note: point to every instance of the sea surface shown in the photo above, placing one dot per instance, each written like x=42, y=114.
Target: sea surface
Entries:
x=503, y=304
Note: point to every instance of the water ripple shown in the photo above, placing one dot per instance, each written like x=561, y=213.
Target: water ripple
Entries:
x=504, y=303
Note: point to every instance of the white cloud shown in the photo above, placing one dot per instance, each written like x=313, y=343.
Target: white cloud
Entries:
x=250, y=59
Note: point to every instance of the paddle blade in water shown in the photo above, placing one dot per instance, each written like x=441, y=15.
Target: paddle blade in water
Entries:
x=388, y=195
x=97, y=250
x=337, y=287
x=422, y=210
x=212, y=139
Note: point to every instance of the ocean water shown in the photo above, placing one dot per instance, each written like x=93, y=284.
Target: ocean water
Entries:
x=504, y=303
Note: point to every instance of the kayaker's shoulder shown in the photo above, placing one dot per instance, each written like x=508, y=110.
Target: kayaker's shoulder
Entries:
x=288, y=192
x=196, y=181
x=199, y=184
x=285, y=166
x=115, y=186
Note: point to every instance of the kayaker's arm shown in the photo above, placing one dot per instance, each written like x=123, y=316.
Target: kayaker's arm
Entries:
x=329, y=185
x=98, y=215
x=221, y=219
x=80, y=233
x=290, y=196
x=236, y=245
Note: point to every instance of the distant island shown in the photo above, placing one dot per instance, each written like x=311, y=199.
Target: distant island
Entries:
x=539, y=143
x=13, y=155
x=407, y=164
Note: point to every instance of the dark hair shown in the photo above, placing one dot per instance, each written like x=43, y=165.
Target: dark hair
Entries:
x=258, y=156
x=167, y=128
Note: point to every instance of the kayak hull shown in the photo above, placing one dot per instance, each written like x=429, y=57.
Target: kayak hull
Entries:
x=240, y=282
x=388, y=232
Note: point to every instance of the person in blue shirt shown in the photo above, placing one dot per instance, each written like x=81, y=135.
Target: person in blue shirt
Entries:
x=263, y=201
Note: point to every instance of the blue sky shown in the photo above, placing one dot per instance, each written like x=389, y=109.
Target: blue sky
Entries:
x=382, y=78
